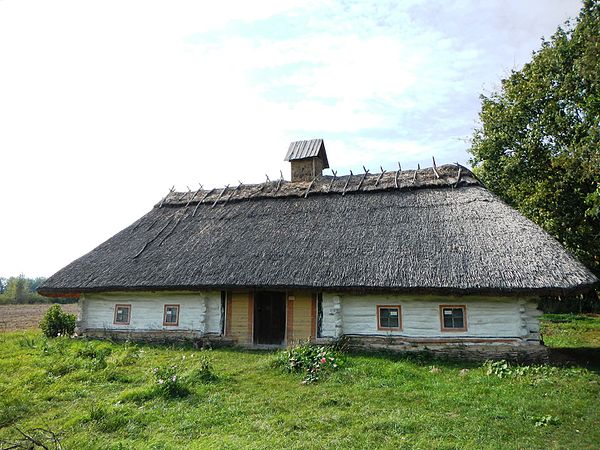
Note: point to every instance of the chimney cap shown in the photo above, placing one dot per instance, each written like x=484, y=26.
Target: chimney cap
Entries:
x=313, y=148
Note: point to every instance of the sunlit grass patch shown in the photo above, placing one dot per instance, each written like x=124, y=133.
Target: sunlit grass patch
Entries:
x=235, y=398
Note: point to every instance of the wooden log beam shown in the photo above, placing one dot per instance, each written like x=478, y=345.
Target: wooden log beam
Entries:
x=437, y=175
x=332, y=180
x=309, y=186
x=346, y=185
x=194, y=196
x=201, y=200
x=220, y=195
x=362, y=179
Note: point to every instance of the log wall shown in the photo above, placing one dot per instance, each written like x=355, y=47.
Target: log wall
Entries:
x=198, y=312
x=497, y=321
x=488, y=318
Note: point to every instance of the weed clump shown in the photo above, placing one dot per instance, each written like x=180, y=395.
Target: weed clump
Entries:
x=168, y=382
x=56, y=322
x=203, y=371
x=504, y=369
x=316, y=361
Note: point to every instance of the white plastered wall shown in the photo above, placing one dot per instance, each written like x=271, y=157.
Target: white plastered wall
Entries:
x=487, y=317
x=198, y=311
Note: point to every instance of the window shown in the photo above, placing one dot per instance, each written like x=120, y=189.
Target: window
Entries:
x=171, y=315
x=389, y=318
x=122, y=314
x=453, y=317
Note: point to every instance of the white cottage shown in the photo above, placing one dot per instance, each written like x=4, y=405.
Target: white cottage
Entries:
x=403, y=260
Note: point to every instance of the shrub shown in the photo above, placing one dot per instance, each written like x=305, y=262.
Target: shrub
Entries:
x=314, y=360
x=56, y=322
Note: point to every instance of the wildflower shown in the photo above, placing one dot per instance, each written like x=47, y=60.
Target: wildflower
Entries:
x=161, y=381
x=323, y=360
x=174, y=379
x=155, y=370
x=183, y=357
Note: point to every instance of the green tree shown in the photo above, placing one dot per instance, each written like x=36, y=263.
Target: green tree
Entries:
x=17, y=289
x=538, y=144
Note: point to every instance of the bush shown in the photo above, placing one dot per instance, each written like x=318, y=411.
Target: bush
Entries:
x=314, y=360
x=56, y=322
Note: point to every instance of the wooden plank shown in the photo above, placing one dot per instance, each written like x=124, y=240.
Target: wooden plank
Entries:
x=302, y=318
x=289, y=331
x=240, y=317
x=250, y=335
x=228, y=315
x=313, y=317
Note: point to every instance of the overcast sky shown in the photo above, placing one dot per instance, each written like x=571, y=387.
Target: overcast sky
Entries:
x=104, y=105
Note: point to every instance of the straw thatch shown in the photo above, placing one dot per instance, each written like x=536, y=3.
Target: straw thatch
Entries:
x=437, y=231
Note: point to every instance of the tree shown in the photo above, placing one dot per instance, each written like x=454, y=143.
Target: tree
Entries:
x=17, y=289
x=538, y=144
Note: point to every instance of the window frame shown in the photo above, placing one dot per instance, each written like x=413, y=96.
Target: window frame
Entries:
x=400, y=318
x=117, y=306
x=465, y=325
x=171, y=324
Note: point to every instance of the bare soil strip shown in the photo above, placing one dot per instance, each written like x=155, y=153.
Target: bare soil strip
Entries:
x=23, y=317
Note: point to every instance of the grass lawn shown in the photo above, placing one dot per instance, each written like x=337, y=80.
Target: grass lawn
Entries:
x=102, y=395
x=571, y=330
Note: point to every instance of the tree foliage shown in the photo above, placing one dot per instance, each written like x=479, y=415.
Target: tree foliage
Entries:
x=23, y=290
x=538, y=145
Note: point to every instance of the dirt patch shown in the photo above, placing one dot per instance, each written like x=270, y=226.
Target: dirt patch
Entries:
x=23, y=317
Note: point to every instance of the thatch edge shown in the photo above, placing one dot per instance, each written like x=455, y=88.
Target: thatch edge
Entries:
x=488, y=291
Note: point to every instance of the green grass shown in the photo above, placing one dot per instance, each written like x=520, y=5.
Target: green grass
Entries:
x=571, y=330
x=103, y=395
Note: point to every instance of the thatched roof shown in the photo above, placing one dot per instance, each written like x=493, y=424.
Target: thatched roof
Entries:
x=437, y=231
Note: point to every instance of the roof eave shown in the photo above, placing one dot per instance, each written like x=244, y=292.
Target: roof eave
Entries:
x=483, y=291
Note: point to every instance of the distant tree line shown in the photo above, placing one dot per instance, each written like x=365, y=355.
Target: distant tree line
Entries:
x=23, y=290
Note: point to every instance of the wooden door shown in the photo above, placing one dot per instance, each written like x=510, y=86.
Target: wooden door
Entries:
x=269, y=317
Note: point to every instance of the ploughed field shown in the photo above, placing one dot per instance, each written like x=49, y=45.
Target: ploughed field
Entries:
x=23, y=317
x=94, y=394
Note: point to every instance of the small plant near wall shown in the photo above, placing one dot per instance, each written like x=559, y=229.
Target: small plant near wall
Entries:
x=56, y=322
x=316, y=361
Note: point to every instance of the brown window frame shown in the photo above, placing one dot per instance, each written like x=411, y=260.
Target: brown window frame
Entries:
x=463, y=307
x=400, y=318
x=117, y=306
x=171, y=324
